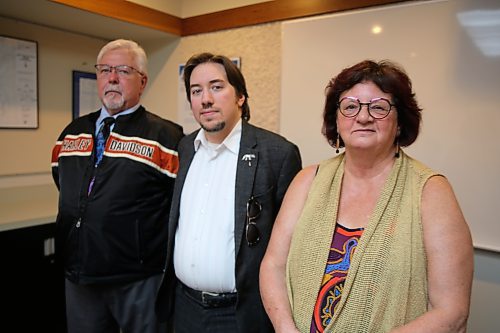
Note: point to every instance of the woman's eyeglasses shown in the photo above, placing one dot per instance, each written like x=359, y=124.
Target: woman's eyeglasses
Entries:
x=253, y=212
x=378, y=108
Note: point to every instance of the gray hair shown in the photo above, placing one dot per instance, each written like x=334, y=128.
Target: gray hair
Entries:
x=139, y=55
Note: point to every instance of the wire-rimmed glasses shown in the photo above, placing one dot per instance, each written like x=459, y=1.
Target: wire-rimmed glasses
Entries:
x=378, y=108
x=121, y=70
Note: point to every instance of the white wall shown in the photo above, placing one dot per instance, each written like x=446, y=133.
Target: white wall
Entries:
x=456, y=83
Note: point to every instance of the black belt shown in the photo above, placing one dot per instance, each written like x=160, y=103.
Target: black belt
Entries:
x=209, y=299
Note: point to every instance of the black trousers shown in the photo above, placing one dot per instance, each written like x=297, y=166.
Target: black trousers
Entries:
x=109, y=308
x=191, y=316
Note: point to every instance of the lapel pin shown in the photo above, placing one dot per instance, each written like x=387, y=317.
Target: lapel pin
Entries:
x=249, y=158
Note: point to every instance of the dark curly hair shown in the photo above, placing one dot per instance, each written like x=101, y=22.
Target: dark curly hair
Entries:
x=391, y=79
x=233, y=73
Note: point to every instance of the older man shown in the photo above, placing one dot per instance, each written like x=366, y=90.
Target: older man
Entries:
x=115, y=169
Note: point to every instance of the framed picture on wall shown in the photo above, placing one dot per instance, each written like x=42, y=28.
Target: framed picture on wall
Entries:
x=18, y=83
x=85, y=96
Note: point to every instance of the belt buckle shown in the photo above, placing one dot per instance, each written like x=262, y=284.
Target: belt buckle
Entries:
x=205, y=297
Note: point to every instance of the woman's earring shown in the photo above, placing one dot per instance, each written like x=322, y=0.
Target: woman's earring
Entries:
x=337, y=144
x=397, y=143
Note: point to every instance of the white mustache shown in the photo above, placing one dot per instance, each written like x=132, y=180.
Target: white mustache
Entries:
x=112, y=88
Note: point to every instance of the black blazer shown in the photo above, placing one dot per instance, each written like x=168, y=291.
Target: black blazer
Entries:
x=266, y=177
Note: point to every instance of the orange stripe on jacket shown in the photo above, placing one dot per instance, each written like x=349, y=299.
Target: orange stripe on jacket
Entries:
x=145, y=151
x=72, y=145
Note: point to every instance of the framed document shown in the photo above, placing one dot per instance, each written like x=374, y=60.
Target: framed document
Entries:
x=18, y=83
x=85, y=96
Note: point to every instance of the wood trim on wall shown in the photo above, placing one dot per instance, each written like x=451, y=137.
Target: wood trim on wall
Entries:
x=270, y=11
x=129, y=12
x=263, y=12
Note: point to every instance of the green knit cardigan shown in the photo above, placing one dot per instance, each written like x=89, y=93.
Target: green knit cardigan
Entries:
x=386, y=285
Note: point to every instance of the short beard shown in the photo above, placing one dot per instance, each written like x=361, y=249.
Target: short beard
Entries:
x=112, y=105
x=217, y=128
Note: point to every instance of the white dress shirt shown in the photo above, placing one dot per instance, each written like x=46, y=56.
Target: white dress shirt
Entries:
x=204, y=253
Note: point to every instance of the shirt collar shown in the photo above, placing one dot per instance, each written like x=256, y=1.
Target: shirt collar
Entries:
x=105, y=114
x=231, y=142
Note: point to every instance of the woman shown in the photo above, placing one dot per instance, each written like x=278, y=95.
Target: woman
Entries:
x=370, y=240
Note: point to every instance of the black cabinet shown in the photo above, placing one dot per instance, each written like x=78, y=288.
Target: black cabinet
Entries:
x=32, y=281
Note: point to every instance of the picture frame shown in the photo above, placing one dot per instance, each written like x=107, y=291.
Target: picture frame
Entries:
x=18, y=83
x=85, y=94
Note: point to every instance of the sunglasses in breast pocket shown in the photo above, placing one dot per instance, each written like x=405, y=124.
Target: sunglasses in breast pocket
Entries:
x=252, y=232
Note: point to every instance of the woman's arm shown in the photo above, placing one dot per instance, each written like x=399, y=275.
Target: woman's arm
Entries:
x=272, y=270
x=450, y=261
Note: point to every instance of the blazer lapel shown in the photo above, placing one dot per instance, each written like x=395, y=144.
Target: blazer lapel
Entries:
x=248, y=159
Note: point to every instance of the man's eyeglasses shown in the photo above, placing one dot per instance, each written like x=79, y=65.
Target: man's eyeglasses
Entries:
x=378, y=108
x=253, y=212
x=121, y=70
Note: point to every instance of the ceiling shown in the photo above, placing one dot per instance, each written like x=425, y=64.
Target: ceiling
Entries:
x=62, y=17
